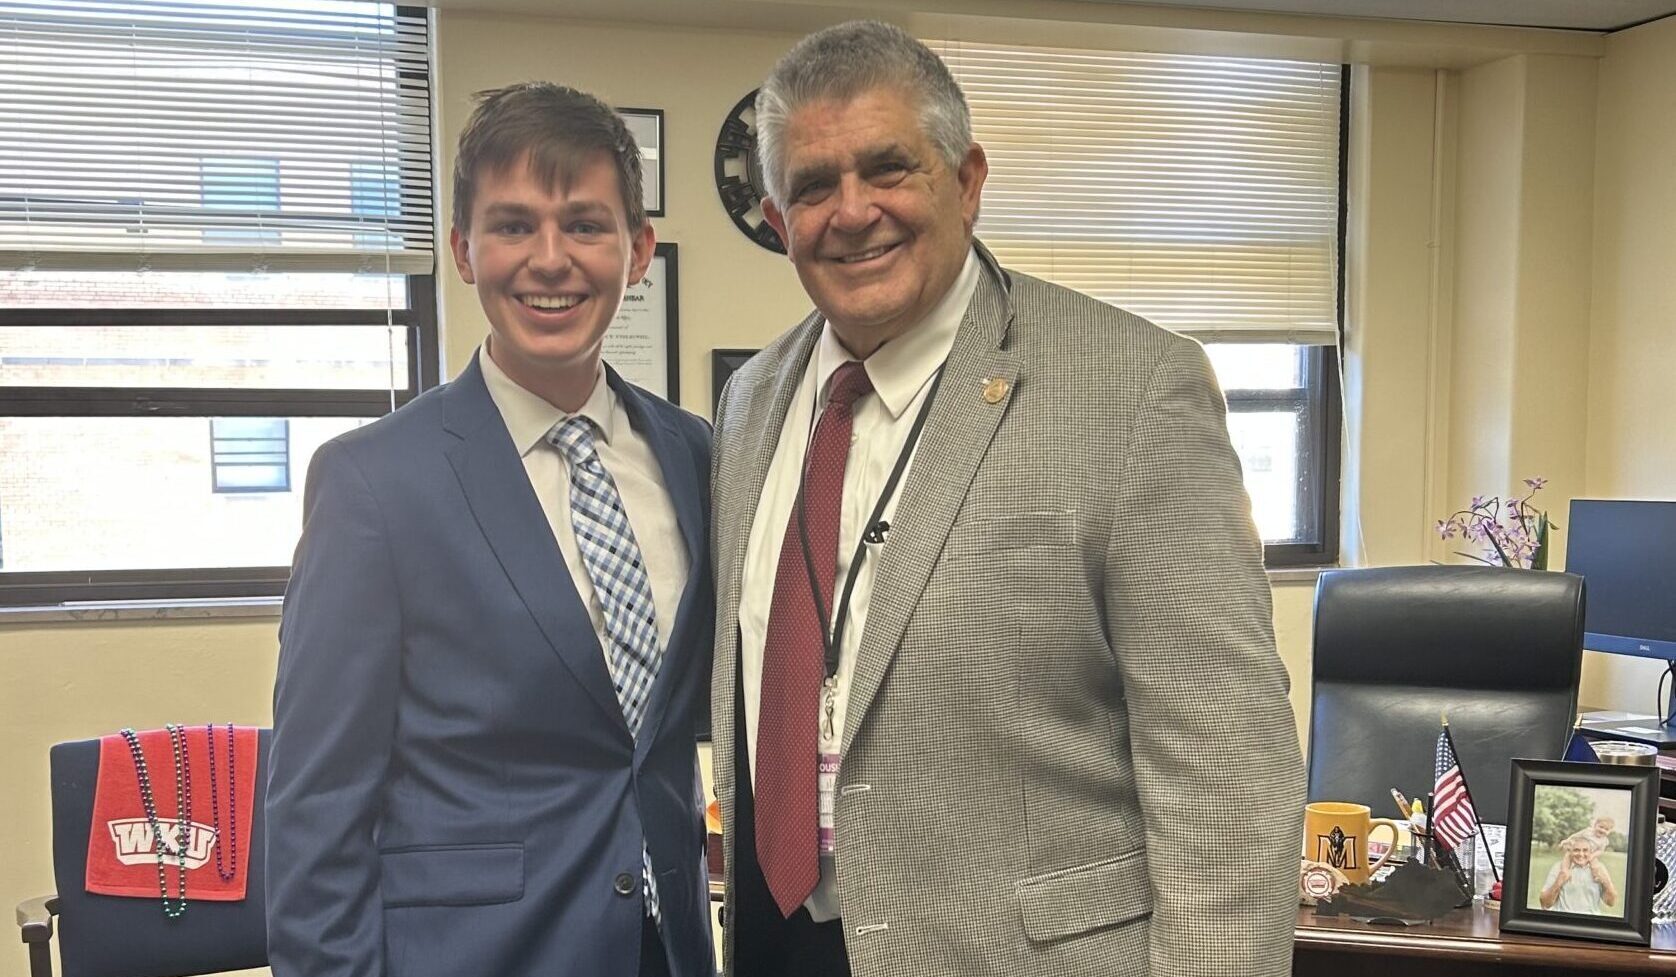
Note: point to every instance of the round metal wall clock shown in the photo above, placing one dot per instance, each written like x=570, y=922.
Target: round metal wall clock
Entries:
x=739, y=175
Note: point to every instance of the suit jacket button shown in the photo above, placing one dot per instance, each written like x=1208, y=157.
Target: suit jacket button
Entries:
x=623, y=884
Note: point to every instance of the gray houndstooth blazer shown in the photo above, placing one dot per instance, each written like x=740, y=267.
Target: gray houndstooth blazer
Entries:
x=1069, y=748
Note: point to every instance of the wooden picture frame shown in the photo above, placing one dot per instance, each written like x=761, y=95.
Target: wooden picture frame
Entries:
x=1556, y=810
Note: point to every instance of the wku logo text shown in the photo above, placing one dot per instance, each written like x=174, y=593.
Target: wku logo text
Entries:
x=136, y=846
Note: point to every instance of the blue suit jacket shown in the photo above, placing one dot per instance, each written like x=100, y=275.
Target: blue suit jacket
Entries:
x=452, y=787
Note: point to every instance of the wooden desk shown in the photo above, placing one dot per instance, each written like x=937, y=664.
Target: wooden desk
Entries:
x=1466, y=942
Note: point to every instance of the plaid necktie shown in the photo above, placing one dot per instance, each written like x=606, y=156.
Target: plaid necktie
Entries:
x=609, y=551
x=793, y=659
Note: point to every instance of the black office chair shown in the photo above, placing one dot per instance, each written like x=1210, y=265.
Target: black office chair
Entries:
x=1498, y=651
x=116, y=936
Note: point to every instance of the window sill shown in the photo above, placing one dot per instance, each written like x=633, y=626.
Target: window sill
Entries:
x=123, y=611
x=93, y=612
x=1290, y=575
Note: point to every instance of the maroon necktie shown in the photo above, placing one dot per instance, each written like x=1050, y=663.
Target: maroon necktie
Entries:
x=794, y=659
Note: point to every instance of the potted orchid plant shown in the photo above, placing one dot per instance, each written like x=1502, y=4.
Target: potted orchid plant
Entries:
x=1512, y=532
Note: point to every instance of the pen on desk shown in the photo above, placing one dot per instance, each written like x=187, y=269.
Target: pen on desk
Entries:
x=1402, y=803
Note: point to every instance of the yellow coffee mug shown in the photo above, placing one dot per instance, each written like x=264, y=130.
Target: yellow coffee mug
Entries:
x=1336, y=832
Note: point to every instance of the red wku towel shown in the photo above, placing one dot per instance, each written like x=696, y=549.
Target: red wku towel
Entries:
x=121, y=852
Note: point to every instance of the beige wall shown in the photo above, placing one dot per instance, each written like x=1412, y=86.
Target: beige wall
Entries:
x=1396, y=314
x=1631, y=447
x=1524, y=215
x=1413, y=310
x=1487, y=221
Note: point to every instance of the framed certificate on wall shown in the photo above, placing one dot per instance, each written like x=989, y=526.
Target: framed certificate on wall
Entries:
x=644, y=341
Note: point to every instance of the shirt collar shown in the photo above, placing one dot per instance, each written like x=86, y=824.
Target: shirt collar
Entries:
x=902, y=366
x=529, y=417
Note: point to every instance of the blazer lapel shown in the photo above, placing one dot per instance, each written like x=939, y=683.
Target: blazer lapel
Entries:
x=680, y=479
x=498, y=492
x=759, y=426
x=956, y=437
x=744, y=451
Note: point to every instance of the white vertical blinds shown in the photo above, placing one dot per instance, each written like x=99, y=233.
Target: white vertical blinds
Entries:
x=1199, y=192
x=215, y=134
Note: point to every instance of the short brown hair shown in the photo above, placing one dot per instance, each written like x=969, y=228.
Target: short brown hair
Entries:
x=558, y=128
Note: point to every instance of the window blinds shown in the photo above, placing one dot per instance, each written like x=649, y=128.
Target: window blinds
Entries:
x=1199, y=192
x=279, y=134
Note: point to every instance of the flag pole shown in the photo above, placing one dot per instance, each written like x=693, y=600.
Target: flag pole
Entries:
x=1431, y=831
x=1466, y=786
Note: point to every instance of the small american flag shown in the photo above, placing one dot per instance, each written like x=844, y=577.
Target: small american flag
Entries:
x=1453, y=819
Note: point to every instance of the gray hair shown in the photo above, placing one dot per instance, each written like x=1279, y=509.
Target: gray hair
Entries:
x=846, y=60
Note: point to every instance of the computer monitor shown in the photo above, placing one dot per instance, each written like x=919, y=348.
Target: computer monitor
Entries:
x=1625, y=551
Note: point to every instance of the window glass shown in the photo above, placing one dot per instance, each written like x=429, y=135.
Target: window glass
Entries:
x=121, y=493
x=1266, y=442
x=251, y=454
x=1257, y=366
x=1282, y=422
x=250, y=188
x=41, y=289
x=247, y=357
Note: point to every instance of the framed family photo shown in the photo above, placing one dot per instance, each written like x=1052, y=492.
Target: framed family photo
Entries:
x=1580, y=850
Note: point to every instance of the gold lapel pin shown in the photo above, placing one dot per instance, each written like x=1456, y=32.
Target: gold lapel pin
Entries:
x=994, y=389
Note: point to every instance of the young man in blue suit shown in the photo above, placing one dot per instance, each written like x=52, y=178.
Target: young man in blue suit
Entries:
x=499, y=619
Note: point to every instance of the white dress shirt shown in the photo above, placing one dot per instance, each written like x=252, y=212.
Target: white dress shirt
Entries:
x=626, y=454
x=901, y=372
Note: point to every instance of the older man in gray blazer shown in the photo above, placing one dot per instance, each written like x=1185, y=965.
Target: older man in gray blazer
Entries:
x=996, y=689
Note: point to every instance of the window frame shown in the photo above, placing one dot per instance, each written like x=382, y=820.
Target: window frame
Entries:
x=424, y=371
x=50, y=587
x=1316, y=403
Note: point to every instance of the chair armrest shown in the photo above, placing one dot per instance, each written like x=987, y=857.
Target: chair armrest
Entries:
x=34, y=918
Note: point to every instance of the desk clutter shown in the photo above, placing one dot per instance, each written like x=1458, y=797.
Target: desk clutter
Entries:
x=1424, y=879
x=1413, y=892
x=1585, y=853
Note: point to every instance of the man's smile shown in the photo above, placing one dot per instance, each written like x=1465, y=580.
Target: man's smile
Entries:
x=554, y=302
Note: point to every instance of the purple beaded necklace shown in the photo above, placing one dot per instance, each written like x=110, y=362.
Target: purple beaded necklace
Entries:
x=229, y=873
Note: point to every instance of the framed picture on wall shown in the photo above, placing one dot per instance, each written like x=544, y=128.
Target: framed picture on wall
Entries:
x=722, y=364
x=644, y=341
x=646, y=125
x=1580, y=850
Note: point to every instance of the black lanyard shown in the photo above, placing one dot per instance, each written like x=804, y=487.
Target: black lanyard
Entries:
x=872, y=531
